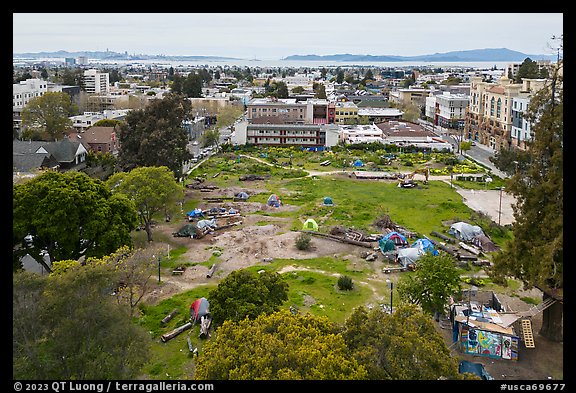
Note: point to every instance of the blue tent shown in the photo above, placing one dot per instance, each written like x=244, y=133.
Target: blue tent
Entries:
x=474, y=368
x=358, y=163
x=195, y=213
x=398, y=239
x=425, y=245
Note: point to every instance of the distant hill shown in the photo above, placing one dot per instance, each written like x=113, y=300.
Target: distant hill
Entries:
x=117, y=56
x=495, y=54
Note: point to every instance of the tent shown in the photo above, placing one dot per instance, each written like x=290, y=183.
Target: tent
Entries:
x=186, y=231
x=485, y=243
x=273, y=200
x=398, y=239
x=328, y=201
x=425, y=245
x=408, y=256
x=241, y=196
x=358, y=163
x=386, y=245
x=310, y=225
x=199, y=308
x=464, y=231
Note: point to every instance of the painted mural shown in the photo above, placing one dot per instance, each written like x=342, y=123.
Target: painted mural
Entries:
x=482, y=342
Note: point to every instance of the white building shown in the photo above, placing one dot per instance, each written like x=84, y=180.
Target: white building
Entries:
x=447, y=110
x=520, y=132
x=22, y=93
x=96, y=82
x=360, y=133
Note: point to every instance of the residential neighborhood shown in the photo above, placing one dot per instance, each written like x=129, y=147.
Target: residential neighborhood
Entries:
x=220, y=219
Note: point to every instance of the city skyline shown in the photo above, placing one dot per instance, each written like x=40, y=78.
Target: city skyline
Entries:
x=278, y=35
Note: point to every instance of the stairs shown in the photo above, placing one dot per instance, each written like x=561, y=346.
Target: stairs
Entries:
x=539, y=308
x=526, y=326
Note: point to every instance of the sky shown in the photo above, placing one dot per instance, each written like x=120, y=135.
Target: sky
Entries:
x=272, y=36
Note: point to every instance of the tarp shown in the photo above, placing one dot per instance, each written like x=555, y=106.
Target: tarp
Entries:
x=474, y=368
x=409, y=256
x=186, y=230
x=485, y=243
x=273, y=200
x=310, y=225
x=425, y=245
x=398, y=239
x=199, y=308
x=206, y=223
x=328, y=201
x=386, y=245
x=358, y=163
x=464, y=231
x=195, y=213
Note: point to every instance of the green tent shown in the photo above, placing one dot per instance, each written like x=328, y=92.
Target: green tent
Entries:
x=386, y=245
x=310, y=225
x=328, y=201
x=186, y=231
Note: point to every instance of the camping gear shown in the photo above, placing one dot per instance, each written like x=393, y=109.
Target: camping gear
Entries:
x=206, y=223
x=425, y=245
x=187, y=230
x=310, y=225
x=407, y=257
x=241, y=196
x=198, y=309
x=398, y=239
x=474, y=368
x=358, y=163
x=273, y=200
x=328, y=201
x=386, y=245
x=484, y=243
x=464, y=231
x=194, y=213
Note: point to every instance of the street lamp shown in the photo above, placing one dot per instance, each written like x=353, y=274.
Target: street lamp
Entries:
x=391, y=286
x=154, y=256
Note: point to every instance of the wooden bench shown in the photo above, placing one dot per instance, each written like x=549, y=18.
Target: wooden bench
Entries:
x=175, y=272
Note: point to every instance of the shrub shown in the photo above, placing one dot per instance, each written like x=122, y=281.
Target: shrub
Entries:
x=345, y=283
x=303, y=241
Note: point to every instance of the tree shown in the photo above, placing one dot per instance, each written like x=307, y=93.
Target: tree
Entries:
x=155, y=136
x=536, y=255
x=528, y=69
x=151, y=189
x=192, y=85
x=69, y=215
x=244, y=293
x=210, y=137
x=431, y=284
x=401, y=346
x=278, y=346
x=47, y=115
x=67, y=327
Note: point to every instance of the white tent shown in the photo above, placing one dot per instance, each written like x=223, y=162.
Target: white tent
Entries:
x=464, y=231
x=408, y=256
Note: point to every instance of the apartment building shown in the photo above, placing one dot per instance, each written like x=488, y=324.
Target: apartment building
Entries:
x=345, y=112
x=96, y=82
x=22, y=93
x=301, y=135
x=447, y=110
x=360, y=133
x=489, y=119
x=414, y=96
x=512, y=68
x=521, y=132
x=288, y=110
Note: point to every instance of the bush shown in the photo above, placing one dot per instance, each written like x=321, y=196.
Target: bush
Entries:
x=303, y=241
x=345, y=283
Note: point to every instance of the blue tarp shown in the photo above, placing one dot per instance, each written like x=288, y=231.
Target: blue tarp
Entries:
x=397, y=238
x=358, y=163
x=474, y=368
x=195, y=213
x=425, y=245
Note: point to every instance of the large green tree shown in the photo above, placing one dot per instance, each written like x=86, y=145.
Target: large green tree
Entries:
x=67, y=326
x=536, y=255
x=47, y=117
x=277, y=346
x=151, y=189
x=155, y=136
x=70, y=214
x=431, y=284
x=400, y=346
x=244, y=293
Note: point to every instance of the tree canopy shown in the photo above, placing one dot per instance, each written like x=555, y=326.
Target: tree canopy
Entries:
x=66, y=326
x=151, y=189
x=244, y=293
x=403, y=345
x=277, y=346
x=69, y=215
x=47, y=117
x=156, y=136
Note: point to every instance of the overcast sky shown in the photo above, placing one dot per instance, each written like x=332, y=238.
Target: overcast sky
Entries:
x=277, y=35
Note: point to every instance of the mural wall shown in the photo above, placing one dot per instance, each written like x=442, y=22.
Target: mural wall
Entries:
x=483, y=342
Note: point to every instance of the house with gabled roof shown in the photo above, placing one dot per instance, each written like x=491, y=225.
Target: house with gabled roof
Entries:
x=97, y=139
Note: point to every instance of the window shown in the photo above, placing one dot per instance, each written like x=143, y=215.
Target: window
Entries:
x=492, y=106
x=498, y=107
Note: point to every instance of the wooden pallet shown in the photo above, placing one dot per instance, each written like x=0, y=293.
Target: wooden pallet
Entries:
x=527, y=333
